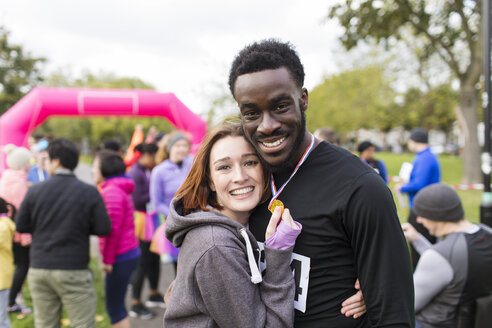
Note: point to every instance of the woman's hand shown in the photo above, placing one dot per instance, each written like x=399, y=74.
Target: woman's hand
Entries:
x=277, y=215
x=108, y=268
x=354, y=305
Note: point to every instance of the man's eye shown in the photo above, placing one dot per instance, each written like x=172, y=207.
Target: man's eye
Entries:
x=250, y=115
x=282, y=106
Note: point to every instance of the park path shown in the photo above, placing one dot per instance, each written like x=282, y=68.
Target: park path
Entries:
x=83, y=172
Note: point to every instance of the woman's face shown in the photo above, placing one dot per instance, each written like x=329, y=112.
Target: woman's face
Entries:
x=96, y=171
x=237, y=177
x=147, y=160
x=179, y=151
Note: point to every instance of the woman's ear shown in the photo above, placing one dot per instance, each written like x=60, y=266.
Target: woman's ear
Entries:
x=212, y=186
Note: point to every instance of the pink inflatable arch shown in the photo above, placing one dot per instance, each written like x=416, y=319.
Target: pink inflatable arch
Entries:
x=41, y=103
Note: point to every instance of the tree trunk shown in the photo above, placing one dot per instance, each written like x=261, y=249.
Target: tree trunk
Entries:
x=468, y=120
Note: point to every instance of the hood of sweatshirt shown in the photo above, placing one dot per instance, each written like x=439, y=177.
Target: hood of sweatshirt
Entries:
x=124, y=183
x=177, y=226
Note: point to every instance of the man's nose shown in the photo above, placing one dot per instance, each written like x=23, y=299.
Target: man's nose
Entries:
x=268, y=124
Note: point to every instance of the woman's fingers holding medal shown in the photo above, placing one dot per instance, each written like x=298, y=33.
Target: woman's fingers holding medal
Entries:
x=287, y=218
x=278, y=215
x=274, y=221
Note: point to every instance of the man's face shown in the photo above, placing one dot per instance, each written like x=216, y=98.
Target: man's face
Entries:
x=271, y=106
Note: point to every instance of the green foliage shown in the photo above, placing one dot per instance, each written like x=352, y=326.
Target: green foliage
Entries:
x=95, y=130
x=19, y=72
x=351, y=100
x=440, y=28
x=432, y=109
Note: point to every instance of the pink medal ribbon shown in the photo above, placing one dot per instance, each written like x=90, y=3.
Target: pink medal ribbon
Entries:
x=276, y=193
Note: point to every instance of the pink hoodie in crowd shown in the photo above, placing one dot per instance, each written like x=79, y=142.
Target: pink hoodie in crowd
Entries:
x=13, y=186
x=116, y=193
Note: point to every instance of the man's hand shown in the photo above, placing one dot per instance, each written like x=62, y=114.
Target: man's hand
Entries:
x=354, y=305
x=397, y=188
x=409, y=231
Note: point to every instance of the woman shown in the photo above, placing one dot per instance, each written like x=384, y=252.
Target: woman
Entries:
x=149, y=265
x=13, y=188
x=119, y=250
x=168, y=176
x=218, y=282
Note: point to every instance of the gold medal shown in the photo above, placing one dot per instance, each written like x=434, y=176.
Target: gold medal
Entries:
x=276, y=203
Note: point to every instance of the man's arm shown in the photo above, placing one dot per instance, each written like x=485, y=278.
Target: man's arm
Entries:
x=432, y=274
x=23, y=221
x=100, y=224
x=381, y=253
x=420, y=177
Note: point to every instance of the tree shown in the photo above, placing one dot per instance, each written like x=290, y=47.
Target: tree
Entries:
x=95, y=130
x=450, y=30
x=432, y=109
x=358, y=98
x=19, y=72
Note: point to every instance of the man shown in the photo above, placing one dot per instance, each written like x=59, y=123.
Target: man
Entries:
x=350, y=226
x=455, y=271
x=61, y=213
x=366, y=151
x=326, y=134
x=425, y=171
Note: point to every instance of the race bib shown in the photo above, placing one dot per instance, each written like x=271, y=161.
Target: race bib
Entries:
x=300, y=266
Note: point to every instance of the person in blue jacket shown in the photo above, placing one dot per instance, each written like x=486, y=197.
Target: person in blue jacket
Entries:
x=426, y=171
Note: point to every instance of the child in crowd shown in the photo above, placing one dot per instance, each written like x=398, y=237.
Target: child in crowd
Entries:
x=7, y=229
x=13, y=188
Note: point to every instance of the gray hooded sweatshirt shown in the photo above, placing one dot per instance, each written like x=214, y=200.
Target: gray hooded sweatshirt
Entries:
x=213, y=286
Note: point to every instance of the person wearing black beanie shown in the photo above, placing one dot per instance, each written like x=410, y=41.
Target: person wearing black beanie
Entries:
x=426, y=171
x=457, y=270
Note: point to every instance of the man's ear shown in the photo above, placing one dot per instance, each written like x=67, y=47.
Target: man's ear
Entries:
x=304, y=99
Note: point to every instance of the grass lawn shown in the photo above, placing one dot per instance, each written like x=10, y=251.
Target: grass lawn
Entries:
x=102, y=320
x=451, y=169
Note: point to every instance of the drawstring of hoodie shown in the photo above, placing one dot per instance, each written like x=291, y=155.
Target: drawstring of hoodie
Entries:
x=255, y=272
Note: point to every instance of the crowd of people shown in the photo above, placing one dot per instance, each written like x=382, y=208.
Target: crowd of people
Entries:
x=267, y=224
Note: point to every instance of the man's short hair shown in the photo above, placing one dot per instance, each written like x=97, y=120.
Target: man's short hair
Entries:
x=267, y=54
x=66, y=151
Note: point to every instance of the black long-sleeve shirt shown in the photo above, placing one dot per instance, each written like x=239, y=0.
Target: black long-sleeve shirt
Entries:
x=61, y=213
x=350, y=230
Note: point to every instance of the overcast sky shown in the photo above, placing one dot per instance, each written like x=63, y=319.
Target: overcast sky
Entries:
x=185, y=47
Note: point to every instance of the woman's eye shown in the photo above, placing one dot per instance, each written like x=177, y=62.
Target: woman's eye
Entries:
x=251, y=163
x=222, y=167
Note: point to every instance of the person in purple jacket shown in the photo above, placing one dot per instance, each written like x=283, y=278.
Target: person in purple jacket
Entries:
x=119, y=250
x=168, y=176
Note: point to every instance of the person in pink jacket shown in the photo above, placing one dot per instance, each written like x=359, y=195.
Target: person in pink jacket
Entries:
x=119, y=250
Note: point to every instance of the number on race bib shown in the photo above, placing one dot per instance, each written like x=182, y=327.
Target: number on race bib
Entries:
x=300, y=266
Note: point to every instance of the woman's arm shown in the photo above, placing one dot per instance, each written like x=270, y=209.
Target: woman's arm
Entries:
x=232, y=300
